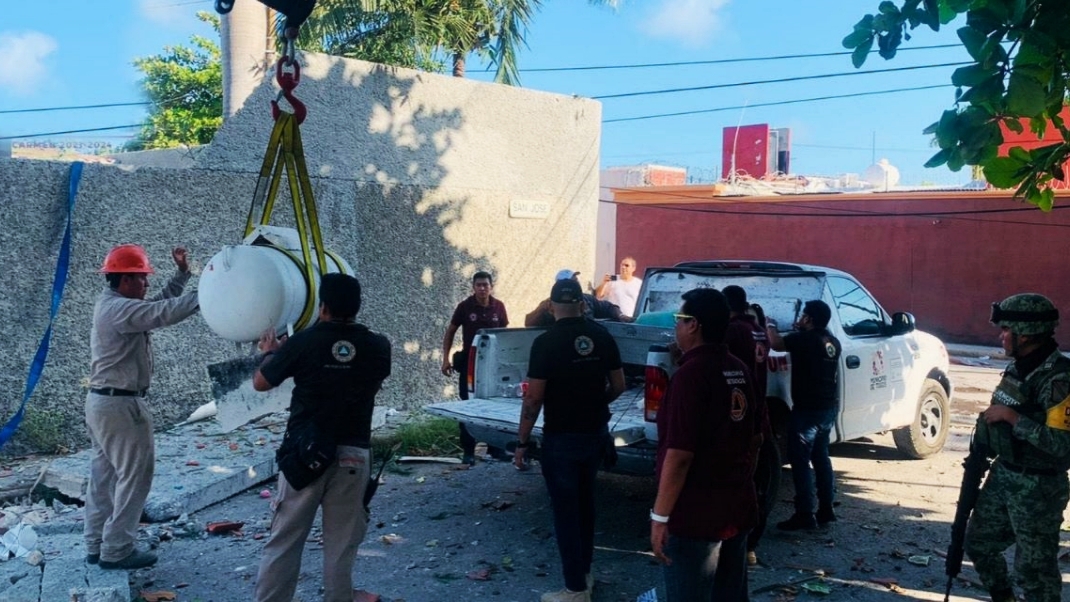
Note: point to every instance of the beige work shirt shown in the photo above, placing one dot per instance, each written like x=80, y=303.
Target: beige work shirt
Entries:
x=119, y=342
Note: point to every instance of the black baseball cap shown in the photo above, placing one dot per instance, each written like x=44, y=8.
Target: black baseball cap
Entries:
x=566, y=291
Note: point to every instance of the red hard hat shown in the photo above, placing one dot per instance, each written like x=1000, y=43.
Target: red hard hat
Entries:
x=126, y=259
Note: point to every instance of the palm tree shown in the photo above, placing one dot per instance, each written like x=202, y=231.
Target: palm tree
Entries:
x=425, y=33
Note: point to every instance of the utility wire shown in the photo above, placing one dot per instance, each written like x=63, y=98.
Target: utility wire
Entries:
x=776, y=103
x=74, y=108
x=952, y=215
x=752, y=59
x=777, y=81
x=714, y=110
x=845, y=212
x=112, y=127
x=162, y=103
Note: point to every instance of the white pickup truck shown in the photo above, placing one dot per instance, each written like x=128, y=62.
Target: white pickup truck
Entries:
x=892, y=377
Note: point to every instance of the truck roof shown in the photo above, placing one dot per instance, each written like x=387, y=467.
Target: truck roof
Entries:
x=757, y=266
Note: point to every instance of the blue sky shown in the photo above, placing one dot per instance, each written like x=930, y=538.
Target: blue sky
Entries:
x=82, y=53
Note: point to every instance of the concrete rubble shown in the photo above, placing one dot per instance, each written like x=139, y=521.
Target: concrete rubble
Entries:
x=42, y=551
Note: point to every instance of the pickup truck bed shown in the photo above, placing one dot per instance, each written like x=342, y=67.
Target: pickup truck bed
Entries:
x=495, y=419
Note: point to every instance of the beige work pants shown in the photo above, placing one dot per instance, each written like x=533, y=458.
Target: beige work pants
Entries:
x=122, y=460
x=340, y=491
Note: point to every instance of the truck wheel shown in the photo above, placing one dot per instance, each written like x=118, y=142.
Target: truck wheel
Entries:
x=929, y=432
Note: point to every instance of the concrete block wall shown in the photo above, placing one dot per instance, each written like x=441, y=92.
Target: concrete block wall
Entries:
x=420, y=180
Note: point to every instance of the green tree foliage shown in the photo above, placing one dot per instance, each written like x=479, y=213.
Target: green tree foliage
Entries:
x=380, y=34
x=1021, y=62
x=425, y=34
x=185, y=86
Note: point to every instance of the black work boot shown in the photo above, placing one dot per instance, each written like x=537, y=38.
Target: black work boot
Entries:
x=1002, y=595
x=798, y=522
x=135, y=560
x=825, y=515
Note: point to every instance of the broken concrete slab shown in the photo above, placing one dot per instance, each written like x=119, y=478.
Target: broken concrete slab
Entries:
x=197, y=465
x=194, y=466
x=26, y=589
x=67, y=576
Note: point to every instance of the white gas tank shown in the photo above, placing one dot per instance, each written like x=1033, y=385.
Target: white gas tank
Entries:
x=245, y=289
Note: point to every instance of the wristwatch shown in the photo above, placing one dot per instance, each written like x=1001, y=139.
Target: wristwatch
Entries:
x=658, y=518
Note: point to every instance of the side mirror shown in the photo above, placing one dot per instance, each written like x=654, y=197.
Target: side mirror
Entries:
x=902, y=323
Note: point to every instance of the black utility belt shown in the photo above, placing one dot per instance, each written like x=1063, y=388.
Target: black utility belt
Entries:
x=1026, y=470
x=113, y=392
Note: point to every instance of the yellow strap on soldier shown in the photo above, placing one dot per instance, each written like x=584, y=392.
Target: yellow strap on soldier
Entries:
x=1059, y=416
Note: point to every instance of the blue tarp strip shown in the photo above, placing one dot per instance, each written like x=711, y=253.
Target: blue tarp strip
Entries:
x=58, y=282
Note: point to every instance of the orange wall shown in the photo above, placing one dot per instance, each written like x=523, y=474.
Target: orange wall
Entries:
x=944, y=268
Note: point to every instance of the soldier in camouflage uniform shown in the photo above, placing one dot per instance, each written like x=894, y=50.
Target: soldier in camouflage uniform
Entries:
x=1027, y=431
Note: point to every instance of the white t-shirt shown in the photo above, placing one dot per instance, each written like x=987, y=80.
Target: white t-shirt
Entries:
x=624, y=294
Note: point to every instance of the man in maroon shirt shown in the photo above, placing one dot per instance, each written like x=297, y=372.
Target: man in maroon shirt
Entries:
x=708, y=438
x=480, y=310
x=748, y=341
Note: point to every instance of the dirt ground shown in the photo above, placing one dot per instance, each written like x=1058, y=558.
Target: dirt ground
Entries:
x=442, y=533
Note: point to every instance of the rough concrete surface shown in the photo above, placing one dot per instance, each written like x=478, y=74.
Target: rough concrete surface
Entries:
x=418, y=180
x=197, y=465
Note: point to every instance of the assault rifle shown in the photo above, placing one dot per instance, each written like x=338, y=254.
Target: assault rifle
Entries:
x=976, y=465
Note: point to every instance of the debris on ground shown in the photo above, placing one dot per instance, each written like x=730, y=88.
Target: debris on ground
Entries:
x=221, y=527
x=160, y=596
x=479, y=575
x=816, y=587
x=429, y=459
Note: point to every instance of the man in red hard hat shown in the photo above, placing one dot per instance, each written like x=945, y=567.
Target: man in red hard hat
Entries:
x=119, y=420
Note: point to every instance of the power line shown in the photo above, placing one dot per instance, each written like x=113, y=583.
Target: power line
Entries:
x=714, y=110
x=777, y=81
x=776, y=103
x=717, y=61
x=75, y=107
x=848, y=213
x=112, y=127
x=866, y=148
x=163, y=103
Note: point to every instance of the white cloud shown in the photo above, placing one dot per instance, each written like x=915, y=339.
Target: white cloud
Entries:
x=692, y=22
x=175, y=15
x=23, y=67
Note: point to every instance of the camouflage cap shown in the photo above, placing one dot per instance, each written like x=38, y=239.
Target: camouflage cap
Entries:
x=1026, y=314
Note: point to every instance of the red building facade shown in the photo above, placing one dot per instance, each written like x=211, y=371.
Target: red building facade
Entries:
x=945, y=257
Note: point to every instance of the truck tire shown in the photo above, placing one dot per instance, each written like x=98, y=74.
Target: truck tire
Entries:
x=931, y=424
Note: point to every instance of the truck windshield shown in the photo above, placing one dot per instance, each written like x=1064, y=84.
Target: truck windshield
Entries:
x=780, y=295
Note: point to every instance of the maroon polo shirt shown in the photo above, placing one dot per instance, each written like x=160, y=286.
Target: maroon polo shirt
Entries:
x=749, y=342
x=709, y=410
x=470, y=316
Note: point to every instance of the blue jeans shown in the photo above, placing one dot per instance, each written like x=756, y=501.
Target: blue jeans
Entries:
x=808, y=443
x=570, y=463
x=706, y=571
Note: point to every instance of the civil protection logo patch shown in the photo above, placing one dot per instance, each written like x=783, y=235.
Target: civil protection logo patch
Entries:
x=343, y=351
x=830, y=349
x=583, y=345
x=738, y=408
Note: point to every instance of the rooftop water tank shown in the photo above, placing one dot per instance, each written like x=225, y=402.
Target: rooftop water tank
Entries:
x=245, y=289
x=882, y=176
